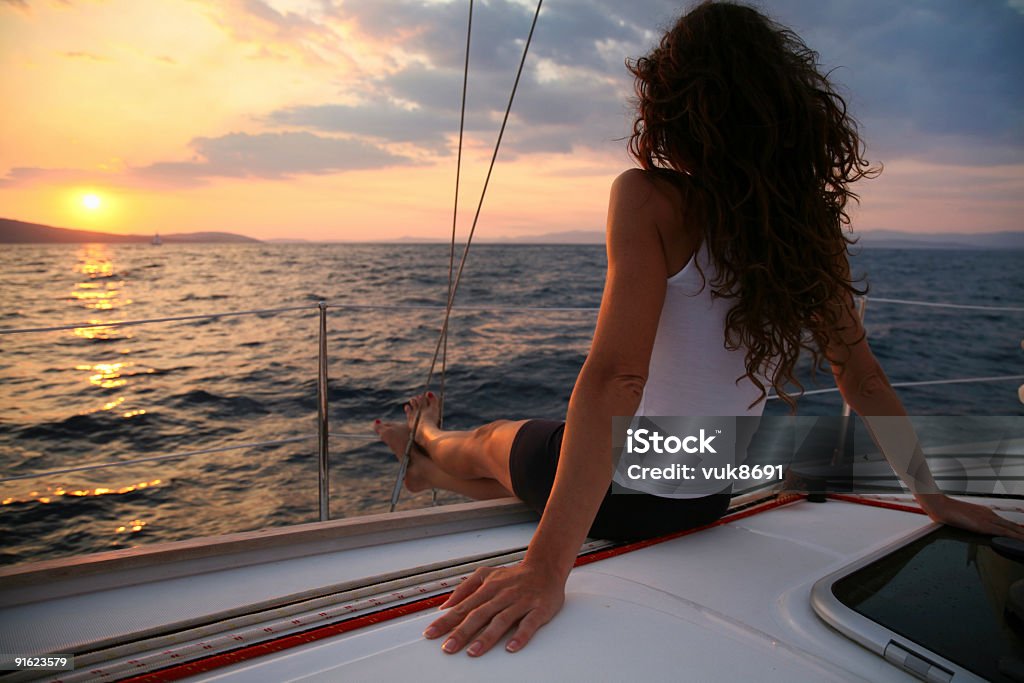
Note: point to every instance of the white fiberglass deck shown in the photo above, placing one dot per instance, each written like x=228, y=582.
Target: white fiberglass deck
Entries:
x=77, y=605
x=728, y=603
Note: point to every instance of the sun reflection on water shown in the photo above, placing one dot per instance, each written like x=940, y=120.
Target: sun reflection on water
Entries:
x=58, y=491
x=134, y=525
x=112, y=376
x=101, y=288
x=99, y=297
x=110, y=405
x=94, y=261
x=99, y=291
x=106, y=375
x=100, y=332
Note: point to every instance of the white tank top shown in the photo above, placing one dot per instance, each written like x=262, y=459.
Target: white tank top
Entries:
x=691, y=372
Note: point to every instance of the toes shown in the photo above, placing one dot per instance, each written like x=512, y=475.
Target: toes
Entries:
x=378, y=427
x=427, y=403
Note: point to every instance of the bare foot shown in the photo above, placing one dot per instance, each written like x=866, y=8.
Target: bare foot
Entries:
x=429, y=408
x=395, y=436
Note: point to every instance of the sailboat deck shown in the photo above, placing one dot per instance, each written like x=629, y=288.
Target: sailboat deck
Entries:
x=727, y=602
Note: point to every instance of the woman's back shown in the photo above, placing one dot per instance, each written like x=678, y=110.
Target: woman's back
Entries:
x=691, y=371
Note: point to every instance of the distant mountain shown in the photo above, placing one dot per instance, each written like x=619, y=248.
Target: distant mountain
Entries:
x=419, y=240
x=896, y=239
x=889, y=239
x=563, y=237
x=20, y=232
x=187, y=237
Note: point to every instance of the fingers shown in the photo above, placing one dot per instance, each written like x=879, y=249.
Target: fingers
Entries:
x=1006, y=527
x=467, y=619
x=499, y=625
x=991, y=523
x=467, y=587
x=491, y=602
x=465, y=598
x=490, y=620
x=528, y=625
x=979, y=519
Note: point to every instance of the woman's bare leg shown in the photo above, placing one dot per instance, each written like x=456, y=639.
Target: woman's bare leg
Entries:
x=424, y=474
x=474, y=454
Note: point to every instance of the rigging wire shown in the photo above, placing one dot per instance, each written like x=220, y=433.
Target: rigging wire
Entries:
x=455, y=218
x=404, y=464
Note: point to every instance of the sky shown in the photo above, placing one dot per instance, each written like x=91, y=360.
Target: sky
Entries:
x=338, y=120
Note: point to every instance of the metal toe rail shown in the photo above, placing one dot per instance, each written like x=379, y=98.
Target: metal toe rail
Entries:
x=323, y=435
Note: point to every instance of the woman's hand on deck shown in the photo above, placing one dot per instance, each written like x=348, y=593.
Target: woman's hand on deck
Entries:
x=494, y=600
x=977, y=518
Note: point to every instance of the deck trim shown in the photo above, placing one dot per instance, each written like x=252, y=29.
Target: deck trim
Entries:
x=63, y=577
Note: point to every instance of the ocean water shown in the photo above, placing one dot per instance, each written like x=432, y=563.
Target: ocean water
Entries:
x=94, y=395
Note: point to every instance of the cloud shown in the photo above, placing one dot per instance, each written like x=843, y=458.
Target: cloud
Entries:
x=23, y=5
x=278, y=34
x=933, y=80
x=274, y=156
x=378, y=118
x=89, y=56
x=937, y=80
x=563, y=113
x=567, y=97
x=567, y=31
x=24, y=175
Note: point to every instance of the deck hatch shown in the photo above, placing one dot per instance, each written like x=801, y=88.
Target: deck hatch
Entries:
x=917, y=665
x=937, y=604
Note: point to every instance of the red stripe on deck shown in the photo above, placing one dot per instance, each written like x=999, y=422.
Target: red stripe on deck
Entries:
x=876, y=503
x=193, y=668
x=199, y=666
x=639, y=545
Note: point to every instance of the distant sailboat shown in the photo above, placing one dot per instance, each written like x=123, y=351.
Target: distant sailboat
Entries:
x=156, y=240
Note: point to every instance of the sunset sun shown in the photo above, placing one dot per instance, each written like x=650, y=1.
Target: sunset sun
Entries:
x=91, y=201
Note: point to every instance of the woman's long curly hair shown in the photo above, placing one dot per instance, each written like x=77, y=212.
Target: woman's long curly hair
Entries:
x=733, y=108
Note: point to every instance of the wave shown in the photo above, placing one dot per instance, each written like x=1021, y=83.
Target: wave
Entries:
x=252, y=378
x=77, y=426
x=226, y=405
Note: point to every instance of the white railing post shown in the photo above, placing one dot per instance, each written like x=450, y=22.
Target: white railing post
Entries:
x=323, y=432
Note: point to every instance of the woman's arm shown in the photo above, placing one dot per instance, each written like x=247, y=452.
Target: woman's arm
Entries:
x=527, y=596
x=865, y=387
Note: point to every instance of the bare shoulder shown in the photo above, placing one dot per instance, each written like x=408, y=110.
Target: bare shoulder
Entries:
x=638, y=190
x=644, y=202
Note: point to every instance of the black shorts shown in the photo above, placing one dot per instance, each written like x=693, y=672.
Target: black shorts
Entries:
x=532, y=463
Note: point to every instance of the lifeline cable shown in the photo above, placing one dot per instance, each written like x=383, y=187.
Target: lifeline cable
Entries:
x=404, y=464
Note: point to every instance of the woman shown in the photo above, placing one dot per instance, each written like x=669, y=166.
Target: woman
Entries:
x=726, y=258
